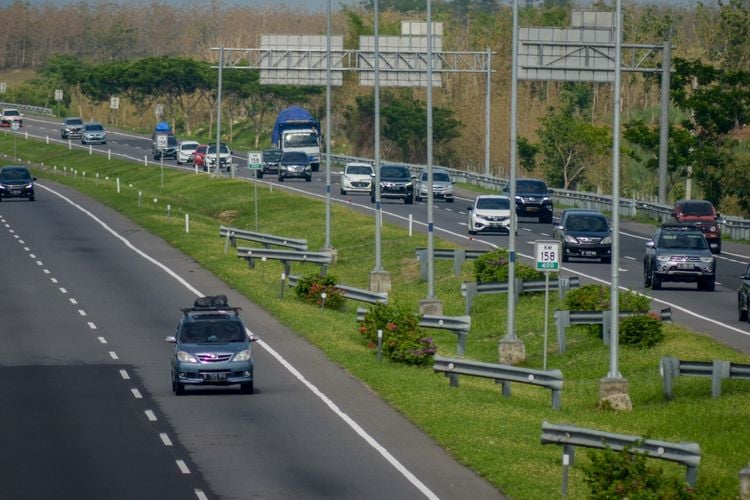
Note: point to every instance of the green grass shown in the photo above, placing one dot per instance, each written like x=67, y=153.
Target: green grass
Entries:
x=497, y=437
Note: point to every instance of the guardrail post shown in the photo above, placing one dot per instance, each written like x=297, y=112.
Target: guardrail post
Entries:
x=669, y=368
x=459, y=256
x=471, y=290
x=506, y=387
x=562, y=321
x=719, y=371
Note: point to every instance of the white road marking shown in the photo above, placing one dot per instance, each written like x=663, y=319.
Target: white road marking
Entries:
x=92, y=325
x=200, y=495
x=32, y=256
x=183, y=467
x=124, y=375
x=136, y=393
x=102, y=340
x=165, y=439
x=46, y=271
x=62, y=290
x=22, y=242
x=630, y=258
x=150, y=415
x=39, y=263
x=113, y=355
x=53, y=280
x=314, y=389
x=73, y=301
x=82, y=312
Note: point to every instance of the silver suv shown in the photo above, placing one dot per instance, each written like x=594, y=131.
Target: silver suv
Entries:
x=71, y=128
x=442, y=185
x=679, y=253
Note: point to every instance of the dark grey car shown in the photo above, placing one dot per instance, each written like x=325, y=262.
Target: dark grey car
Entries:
x=585, y=234
x=396, y=182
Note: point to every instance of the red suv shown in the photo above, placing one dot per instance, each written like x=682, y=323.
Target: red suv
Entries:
x=705, y=217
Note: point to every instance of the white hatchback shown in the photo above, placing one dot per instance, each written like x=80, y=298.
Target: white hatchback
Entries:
x=357, y=177
x=185, y=151
x=490, y=213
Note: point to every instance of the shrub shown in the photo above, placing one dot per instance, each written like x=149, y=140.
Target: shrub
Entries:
x=597, y=298
x=492, y=267
x=642, y=331
x=311, y=287
x=402, y=339
x=626, y=474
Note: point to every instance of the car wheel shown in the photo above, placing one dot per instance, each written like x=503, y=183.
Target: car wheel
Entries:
x=343, y=192
x=565, y=258
x=655, y=282
x=606, y=260
x=449, y=200
x=247, y=388
x=308, y=178
x=472, y=232
x=408, y=200
x=31, y=198
x=742, y=316
x=646, y=278
x=178, y=388
x=418, y=198
x=718, y=247
x=281, y=178
x=372, y=198
x=546, y=219
x=259, y=174
x=707, y=284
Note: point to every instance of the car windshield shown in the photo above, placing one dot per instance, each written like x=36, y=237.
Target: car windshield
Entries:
x=94, y=126
x=74, y=121
x=697, y=208
x=694, y=241
x=212, y=331
x=395, y=172
x=15, y=174
x=297, y=140
x=188, y=147
x=586, y=223
x=493, y=203
x=359, y=170
x=436, y=177
x=272, y=155
x=212, y=149
x=532, y=187
x=294, y=157
x=11, y=112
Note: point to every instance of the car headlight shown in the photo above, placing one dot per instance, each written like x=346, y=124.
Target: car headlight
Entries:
x=570, y=239
x=242, y=355
x=186, y=357
x=546, y=198
x=663, y=258
x=707, y=260
x=607, y=240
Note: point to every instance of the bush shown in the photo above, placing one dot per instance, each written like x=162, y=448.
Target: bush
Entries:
x=311, y=287
x=597, y=298
x=402, y=339
x=643, y=331
x=492, y=267
x=626, y=474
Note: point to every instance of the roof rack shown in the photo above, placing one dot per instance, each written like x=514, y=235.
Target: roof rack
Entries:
x=211, y=304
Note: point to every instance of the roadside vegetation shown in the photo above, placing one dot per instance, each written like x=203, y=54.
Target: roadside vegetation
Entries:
x=495, y=436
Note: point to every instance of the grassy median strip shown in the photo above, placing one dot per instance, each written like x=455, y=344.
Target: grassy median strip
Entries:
x=497, y=437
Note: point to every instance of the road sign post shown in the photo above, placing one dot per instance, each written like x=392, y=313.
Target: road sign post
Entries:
x=255, y=162
x=547, y=253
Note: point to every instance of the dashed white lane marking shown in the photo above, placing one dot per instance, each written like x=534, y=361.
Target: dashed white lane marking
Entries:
x=22, y=242
x=124, y=375
x=92, y=325
x=73, y=301
x=113, y=355
x=136, y=393
x=82, y=312
x=102, y=340
x=200, y=495
x=31, y=255
x=150, y=415
x=15, y=236
x=39, y=263
x=11, y=231
x=53, y=280
x=165, y=439
x=183, y=467
x=630, y=258
x=26, y=249
x=63, y=290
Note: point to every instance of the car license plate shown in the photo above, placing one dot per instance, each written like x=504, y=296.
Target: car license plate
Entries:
x=532, y=209
x=684, y=265
x=214, y=376
x=589, y=253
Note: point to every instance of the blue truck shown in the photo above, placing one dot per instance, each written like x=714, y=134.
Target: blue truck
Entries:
x=295, y=129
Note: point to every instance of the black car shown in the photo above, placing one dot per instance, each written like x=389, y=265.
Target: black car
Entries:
x=396, y=182
x=533, y=199
x=679, y=253
x=743, y=296
x=212, y=347
x=584, y=233
x=269, y=162
x=16, y=182
x=295, y=164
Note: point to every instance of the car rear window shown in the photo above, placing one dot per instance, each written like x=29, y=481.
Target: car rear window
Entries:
x=697, y=208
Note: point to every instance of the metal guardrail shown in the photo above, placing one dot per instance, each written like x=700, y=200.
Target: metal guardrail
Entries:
x=470, y=289
x=233, y=234
x=568, y=436
x=502, y=374
x=286, y=257
x=25, y=108
x=458, y=255
x=717, y=370
x=459, y=325
x=350, y=292
x=564, y=319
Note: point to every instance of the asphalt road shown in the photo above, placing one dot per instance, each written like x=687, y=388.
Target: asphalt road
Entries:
x=713, y=313
x=86, y=301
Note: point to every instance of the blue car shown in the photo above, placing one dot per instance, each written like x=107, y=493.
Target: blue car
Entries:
x=212, y=347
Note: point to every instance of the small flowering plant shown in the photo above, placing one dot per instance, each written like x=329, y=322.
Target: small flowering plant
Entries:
x=311, y=289
x=402, y=339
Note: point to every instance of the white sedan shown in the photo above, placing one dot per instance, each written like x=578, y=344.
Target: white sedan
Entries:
x=185, y=151
x=357, y=177
x=490, y=213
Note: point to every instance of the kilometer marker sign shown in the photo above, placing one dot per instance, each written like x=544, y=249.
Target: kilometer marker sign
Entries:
x=547, y=254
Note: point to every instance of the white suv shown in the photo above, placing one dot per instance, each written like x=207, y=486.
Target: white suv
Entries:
x=357, y=177
x=490, y=213
x=10, y=116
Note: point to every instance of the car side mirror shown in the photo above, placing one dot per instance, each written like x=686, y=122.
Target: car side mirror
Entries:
x=650, y=244
x=252, y=338
x=171, y=339
x=469, y=208
x=560, y=228
x=33, y=178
